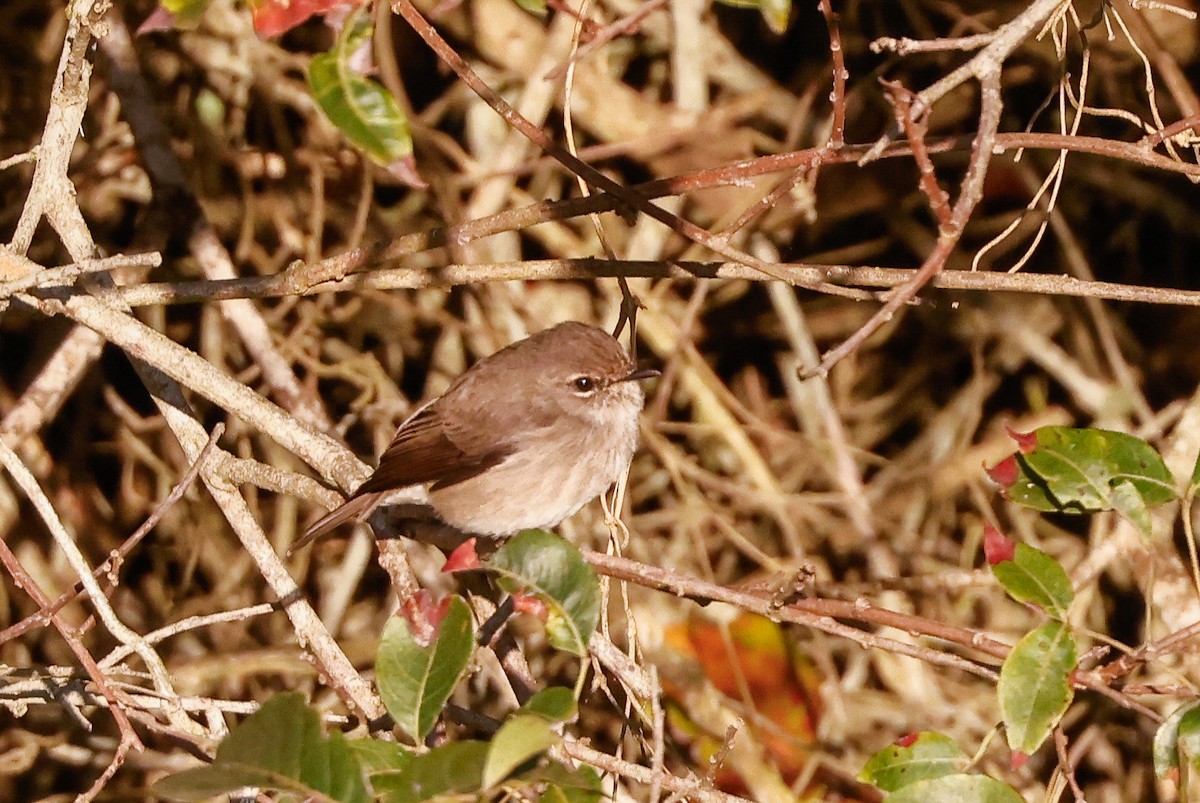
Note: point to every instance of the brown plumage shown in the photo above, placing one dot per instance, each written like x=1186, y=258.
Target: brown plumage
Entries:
x=523, y=438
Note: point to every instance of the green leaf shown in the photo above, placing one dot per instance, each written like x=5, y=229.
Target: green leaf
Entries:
x=555, y=703
x=186, y=12
x=452, y=769
x=528, y=733
x=522, y=737
x=415, y=681
x=932, y=755
x=277, y=747
x=1179, y=733
x=1079, y=471
x=533, y=6
x=377, y=756
x=1033, y=576
x=957, y=789
x=774, y=12
x=1034, y=687
x=543, y=564
x=1195, y=482
x=363, y=110
x=1132, y=505
x=580, y=785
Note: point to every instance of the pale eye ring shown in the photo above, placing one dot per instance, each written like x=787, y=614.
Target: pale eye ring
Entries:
x=583, y=384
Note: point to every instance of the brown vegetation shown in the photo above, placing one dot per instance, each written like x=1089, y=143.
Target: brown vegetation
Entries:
x=845, y=325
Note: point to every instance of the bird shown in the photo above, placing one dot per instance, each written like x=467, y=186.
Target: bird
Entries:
x=523, y=439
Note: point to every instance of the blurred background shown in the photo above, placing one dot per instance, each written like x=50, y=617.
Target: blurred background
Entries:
x=871, y=478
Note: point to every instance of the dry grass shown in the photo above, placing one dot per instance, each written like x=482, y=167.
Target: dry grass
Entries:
x=869, y=476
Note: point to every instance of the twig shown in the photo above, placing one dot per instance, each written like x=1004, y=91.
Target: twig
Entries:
x=19, y=158
x=40, y=618
x=837, y=60
x=171, y=186
x=580, y=168
x=692, y=788
x=625, y=25
x=818, y=614
x=191, y=623
x=68, y=273
x=1064, y=764
x=916, y=126
x=971, y=190
x=70, y=550
x=589, y=268
x=903, y=46
x=985, y=65
x=31, y=587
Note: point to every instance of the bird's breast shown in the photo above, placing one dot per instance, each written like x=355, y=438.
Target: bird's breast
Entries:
x=552, y=473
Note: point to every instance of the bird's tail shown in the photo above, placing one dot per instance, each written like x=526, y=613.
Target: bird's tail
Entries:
x=355, y=509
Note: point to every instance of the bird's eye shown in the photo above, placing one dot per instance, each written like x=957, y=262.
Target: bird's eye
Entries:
x=583, y=384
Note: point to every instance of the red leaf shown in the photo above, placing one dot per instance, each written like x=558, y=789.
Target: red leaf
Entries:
x=275, y=17
x=1026, y=441
x=996, y=547
x=1005, y=472
x=405, y=169
x=463, y=559
x=907, y=740
x=526, y=603
x=1017, y=760
x=424, y=615
x=159, y=20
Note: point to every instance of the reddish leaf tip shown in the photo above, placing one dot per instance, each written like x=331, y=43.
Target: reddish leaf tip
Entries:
x=1005, y=472
x=275, y=17
x=424, y=615
x=159, y=20
x=997, y=548
x=463, y=559
x=527, y=603
x=1026, y=441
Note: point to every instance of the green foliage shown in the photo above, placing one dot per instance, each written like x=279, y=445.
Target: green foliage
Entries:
x=528, y=733
x=545, y=565
x=186, y=12
x=454, y=768
x=774, y=12
x=929, y=755
x=533, y=6
x=415, y=681
x=1070, y=470
x=957, y=789
x=1034, y=577
x=1178, y=738
x=363, y=110
x=278, y=747
x=1035, y=687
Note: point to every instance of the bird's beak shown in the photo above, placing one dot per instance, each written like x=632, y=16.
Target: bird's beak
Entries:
x=639, y=375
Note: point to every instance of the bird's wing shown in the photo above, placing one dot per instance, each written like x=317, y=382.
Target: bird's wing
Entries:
x=430, y=448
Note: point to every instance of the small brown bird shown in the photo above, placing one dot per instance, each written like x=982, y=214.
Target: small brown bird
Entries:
x=524, y=438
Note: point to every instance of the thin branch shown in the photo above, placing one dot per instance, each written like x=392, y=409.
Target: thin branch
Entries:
x=819, y=614
x=591, y=268
x=43, y=615
x=986, y=64
x=990, y=105
x=580, y=168
x=70, y=550
x=692, y=788
x=837, y=60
